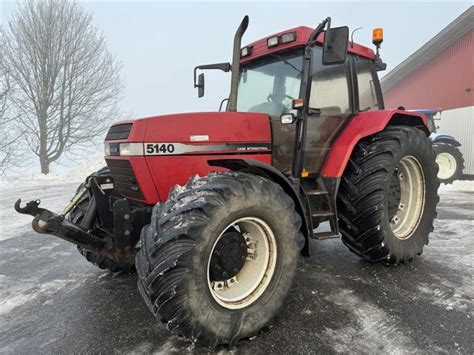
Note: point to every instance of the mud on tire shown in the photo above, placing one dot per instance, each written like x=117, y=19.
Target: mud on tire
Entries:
x=172, y=263
x=366, y=202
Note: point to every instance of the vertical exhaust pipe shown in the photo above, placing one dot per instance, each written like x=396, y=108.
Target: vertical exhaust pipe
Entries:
x=234, y=84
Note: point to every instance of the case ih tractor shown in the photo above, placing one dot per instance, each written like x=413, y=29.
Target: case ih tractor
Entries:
x=214, y=209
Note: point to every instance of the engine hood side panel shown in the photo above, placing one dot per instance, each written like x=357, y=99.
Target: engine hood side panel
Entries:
x=192, y=140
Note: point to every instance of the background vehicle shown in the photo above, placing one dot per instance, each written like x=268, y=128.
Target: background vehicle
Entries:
x=448, y=156
x=223, y=203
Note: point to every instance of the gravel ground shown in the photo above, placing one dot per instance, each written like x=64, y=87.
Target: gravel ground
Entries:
x=53, y=301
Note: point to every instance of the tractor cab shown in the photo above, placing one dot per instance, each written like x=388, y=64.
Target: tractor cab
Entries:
x=306, y=77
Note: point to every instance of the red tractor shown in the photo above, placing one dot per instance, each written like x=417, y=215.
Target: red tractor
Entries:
x=214, y=209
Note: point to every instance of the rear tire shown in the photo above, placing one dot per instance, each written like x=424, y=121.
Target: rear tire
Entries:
x=388, y=195
x=176, y=274
x=450, y=161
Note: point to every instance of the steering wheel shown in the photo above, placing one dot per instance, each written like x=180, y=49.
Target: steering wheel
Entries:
x=270, y=97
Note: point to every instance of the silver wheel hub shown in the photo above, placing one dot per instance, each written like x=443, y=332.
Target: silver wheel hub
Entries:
x=250, y=280
x=447, y=165
x=405, y=218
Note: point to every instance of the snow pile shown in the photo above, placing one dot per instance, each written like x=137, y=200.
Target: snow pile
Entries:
x=459, y=185
x=76, y=174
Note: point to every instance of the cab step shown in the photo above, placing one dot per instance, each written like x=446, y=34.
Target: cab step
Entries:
x=319, y=214
x=326, y=235
x=316, y=192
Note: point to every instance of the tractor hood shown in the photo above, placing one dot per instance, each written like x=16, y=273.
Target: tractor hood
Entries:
x=147, y=157
x=195, y=129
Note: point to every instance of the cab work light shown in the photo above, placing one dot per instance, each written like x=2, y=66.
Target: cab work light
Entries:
x=284, y=38
x=246, y=51
x=272, y=41
x=288, y=37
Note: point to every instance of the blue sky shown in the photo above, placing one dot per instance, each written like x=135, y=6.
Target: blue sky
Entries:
x=160, y=43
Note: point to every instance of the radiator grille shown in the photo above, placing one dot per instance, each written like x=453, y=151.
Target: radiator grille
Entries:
x=120, y=131
x=124, y=178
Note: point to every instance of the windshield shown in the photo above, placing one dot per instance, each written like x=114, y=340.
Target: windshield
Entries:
x=269, y=85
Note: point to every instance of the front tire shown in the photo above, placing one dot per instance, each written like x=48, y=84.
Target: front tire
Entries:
x=450, y=161
x=219, y=298
x=388, y=196
x=102, y=262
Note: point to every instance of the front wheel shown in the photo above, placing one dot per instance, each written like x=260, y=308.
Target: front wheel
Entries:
x=388, y=196
x=450, y=162
x=219, y=257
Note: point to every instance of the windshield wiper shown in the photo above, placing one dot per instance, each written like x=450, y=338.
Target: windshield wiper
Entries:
x=287, y=63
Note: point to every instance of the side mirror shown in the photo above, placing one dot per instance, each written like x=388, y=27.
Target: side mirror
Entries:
x=335, y=45
x=287, y=118
x=200, y=85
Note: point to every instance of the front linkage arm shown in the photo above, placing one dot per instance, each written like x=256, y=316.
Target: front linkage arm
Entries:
x=47, y=222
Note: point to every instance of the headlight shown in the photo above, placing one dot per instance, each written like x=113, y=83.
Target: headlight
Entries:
x=128, y=149
x=106, y=149
x=123, y=149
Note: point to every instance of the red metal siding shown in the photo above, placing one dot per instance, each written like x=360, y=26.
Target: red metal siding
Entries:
x=446, y=81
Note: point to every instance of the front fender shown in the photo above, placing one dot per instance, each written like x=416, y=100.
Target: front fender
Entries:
x=444, y=139
x=362, y=125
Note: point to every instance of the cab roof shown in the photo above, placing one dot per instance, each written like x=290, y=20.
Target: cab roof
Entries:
x=259, y=48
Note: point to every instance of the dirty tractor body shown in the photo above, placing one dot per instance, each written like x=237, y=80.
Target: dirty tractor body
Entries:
x=214, y=209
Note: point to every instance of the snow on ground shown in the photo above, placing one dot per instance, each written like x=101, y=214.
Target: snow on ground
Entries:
x=460, y=185
x=339, y=303
x=76, y=174
x=54, y=191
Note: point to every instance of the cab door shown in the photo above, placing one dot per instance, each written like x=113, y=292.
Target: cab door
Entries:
x=329, y=108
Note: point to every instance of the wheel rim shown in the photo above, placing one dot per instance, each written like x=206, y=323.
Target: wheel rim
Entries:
x=404, y=219
x=447, y=165
x=254, y=276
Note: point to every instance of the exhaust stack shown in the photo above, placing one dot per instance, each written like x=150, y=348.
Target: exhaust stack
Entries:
x=236, y=64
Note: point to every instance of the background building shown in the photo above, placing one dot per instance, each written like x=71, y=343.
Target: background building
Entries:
x=440, y=75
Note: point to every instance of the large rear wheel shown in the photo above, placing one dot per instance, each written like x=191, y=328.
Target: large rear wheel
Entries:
x=219, y=257
x=388, y=196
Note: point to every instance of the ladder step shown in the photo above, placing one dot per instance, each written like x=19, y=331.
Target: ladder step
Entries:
x=316, y=192
x=322, y=214
x=325, y=235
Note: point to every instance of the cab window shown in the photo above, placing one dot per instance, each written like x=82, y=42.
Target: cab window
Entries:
x=365, y=85
x=329, y=86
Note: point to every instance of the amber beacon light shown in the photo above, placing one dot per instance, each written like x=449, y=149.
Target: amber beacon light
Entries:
x=377, y=36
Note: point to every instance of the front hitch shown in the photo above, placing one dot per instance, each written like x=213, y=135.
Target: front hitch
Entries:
x=47, y=222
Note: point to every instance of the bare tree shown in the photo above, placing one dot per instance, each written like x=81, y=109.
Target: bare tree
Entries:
x=67, y=82
x=10, y=155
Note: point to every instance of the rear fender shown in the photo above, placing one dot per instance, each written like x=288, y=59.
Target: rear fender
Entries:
x=362, y=125
x=269, y=172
